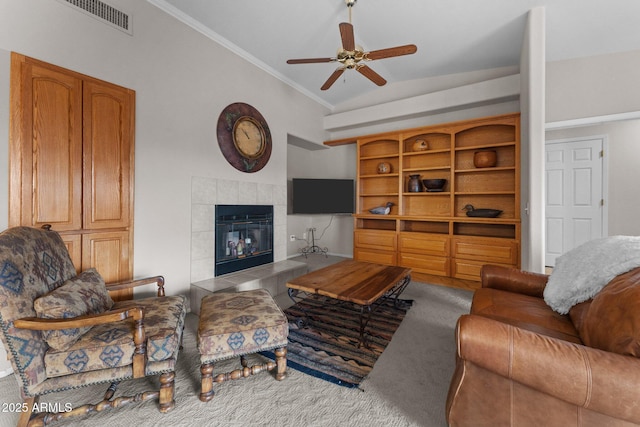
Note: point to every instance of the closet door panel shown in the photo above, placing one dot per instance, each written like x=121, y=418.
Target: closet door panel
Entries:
x=108, y=124
x=48, y=140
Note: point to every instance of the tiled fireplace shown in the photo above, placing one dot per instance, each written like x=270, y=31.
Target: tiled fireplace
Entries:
x=206, y=193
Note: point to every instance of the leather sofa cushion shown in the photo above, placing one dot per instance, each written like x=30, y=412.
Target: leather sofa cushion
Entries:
x=613, y=320
x=524, y=311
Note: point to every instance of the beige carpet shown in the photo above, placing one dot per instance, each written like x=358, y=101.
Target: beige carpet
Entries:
x=407, y=387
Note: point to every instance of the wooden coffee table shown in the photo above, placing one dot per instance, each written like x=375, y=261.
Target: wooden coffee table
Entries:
x=362, y=283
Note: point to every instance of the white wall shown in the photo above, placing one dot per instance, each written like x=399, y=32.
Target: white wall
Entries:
x=182, y=81
x=623, y=140
x=594, y=86
x=532, y=72
x=334, y=162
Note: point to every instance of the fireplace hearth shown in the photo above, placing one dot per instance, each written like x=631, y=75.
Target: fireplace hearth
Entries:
x=243, y=237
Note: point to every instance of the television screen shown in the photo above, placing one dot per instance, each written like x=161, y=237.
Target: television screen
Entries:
x=322, y=196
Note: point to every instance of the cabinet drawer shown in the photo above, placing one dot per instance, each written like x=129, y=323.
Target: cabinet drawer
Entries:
x=427, y=264
x=487, y=250
x=375, y=239
x=422, y=243
x=464, y=269
x=376, y=257
x=470, y=270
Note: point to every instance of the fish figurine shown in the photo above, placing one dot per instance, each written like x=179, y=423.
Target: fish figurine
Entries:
x=382, y=210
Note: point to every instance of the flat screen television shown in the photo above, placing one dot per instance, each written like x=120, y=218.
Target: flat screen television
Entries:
x=323, y=196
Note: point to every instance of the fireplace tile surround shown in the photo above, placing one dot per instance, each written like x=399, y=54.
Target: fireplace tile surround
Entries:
x=207, y=192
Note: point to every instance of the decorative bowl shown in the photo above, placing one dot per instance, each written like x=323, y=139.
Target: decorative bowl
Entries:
x=434, y=184
x=485, y=159
x=420, y=145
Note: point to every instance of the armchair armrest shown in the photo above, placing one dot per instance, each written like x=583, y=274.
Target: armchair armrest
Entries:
x=513, y=280
x=139, y=337
x=128, y=284
x=584, y=376
x=38, y=324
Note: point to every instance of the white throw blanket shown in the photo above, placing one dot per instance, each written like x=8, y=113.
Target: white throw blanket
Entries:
x=582, y=272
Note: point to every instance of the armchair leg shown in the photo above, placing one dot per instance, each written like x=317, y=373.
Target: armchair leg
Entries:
x=167, y=390
x=25, y=416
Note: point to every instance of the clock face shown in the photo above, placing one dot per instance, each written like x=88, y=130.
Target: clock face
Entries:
x=244, y=137
x=248, y=137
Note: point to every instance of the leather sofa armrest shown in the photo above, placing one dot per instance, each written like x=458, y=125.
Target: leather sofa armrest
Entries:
x=601, y=381
x=513, y=280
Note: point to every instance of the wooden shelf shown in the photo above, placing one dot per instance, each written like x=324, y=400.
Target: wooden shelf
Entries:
x=382, y=156
x=380, y=175
x=485, y=170
x=486, y=146
x=429, y=231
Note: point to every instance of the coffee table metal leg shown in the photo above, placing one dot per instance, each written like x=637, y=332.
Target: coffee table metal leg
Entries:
x=293, y=294
x=365, y=316
x=365, y=310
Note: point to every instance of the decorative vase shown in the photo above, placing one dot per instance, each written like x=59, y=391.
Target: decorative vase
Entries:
x=485, y=159
x=414, y=186
x=384, y=167
x=420, y=145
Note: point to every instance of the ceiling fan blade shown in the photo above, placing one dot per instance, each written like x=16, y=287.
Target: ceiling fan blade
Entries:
x=310, y=60
x=371, y=75
x=348, y=39
x=332, y=78
x=392, y=51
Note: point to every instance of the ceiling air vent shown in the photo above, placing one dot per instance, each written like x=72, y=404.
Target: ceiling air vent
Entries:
x=103, y=12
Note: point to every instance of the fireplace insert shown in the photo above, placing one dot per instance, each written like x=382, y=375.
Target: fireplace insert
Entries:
x=243, y=236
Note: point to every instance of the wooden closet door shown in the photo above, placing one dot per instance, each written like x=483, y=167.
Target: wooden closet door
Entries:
x=45, y=185
x=108, y=136
x=71, y=163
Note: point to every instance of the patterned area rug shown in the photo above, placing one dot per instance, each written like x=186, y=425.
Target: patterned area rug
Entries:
x=326, y=346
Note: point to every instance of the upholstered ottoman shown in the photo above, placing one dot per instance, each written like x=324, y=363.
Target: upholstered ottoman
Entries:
x=236, y=324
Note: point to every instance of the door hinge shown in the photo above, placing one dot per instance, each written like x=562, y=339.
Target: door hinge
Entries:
x=601, y=202
x=601, y=153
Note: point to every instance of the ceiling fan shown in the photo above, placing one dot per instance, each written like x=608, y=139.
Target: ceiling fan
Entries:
x=352, y=56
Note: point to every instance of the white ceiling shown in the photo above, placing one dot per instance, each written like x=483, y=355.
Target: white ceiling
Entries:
x=453, y=36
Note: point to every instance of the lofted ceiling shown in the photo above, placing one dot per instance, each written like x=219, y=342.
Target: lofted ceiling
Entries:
x=452, y=36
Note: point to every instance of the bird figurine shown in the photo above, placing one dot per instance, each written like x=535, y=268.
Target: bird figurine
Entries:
x=483, y=213
x=382, y=210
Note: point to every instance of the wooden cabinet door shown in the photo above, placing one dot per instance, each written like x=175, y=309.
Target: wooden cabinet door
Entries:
x=46, y=147
x=108, y=252
x=108, y=138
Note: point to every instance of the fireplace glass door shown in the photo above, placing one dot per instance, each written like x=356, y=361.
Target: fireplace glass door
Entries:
x=244, y=237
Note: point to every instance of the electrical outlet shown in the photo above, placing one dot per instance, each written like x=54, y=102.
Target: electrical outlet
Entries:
x=292, y=238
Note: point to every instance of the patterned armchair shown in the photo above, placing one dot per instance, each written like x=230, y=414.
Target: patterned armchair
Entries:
x=62, y=330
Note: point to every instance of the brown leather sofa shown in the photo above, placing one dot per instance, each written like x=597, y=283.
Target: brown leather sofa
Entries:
x=519, y=363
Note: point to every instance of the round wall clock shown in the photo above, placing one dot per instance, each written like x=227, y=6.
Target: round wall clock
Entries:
x=244, y=137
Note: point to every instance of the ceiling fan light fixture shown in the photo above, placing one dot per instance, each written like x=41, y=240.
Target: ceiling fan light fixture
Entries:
x=351, y=55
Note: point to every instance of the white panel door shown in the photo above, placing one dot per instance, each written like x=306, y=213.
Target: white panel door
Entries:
x=574, y=195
